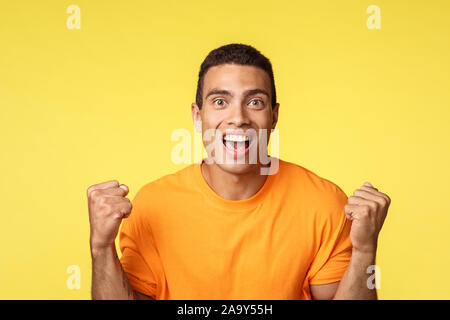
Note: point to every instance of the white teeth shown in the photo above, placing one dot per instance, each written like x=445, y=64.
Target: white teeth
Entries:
x=236, y=138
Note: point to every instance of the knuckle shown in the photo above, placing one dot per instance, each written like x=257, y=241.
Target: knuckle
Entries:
x=388, y=199
x=90, y=191
x=115, y=183
x=94, y=193
x=374, y=205
x=103, y=204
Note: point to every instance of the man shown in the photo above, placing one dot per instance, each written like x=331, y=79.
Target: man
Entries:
x=222, y=229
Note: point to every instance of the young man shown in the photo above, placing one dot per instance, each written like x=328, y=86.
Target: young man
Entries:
x=222, y=229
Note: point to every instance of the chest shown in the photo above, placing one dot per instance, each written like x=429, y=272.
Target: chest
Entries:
x=264, y=256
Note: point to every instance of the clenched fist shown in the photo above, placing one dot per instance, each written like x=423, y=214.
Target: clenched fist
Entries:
x=367, y=209
x=107, y=207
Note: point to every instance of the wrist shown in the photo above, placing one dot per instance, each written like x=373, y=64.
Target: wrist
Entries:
x=98, y=249
x=364, y=252
x=368, y=248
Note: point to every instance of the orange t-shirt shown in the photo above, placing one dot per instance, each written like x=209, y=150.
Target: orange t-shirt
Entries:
x=183, y=241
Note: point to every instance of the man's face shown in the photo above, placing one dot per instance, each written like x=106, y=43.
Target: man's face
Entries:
x=236, y=105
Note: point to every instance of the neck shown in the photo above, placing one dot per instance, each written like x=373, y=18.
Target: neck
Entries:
x=232, y=186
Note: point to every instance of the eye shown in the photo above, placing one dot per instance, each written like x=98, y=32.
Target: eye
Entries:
x=256, y=102
x=219, y=102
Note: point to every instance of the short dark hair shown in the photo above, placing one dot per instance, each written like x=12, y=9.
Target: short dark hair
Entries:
x=235, y=53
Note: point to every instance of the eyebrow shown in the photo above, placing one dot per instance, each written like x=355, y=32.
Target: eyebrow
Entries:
x=247, y=93
x=217, y=92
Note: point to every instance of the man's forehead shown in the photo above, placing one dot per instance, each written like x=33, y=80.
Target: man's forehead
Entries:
x=235, y=77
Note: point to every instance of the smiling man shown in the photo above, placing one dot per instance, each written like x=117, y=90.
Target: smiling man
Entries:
x=224, y=230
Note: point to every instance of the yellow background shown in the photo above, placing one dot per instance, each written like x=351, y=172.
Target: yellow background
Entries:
x=79, y=107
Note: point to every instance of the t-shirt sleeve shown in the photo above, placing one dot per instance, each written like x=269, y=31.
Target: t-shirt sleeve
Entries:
x=137, y=258
x=335, y=247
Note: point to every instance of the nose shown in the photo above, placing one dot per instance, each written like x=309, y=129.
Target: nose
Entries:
x=238, y=116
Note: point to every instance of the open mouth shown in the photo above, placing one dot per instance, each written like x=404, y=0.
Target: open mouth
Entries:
x=237, y=144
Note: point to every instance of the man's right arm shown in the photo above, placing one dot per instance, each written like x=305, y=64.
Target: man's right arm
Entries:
x=108, y=278
x=107, y=207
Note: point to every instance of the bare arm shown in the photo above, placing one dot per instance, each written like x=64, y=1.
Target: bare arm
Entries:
x=353, y=284
x=367, y=209
x=108, y=278
x=107, y=207
x=323, y=291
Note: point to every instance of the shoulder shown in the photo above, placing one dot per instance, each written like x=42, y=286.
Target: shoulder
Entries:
x=311, y=187
x=164, y=188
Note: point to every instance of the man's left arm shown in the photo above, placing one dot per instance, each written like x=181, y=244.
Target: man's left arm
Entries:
x=367, y=209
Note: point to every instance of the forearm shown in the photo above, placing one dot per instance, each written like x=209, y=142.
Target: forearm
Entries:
x=353, y=284
x=108, y=278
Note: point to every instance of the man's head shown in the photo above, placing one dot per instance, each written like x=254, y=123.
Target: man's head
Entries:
x=239, y=54
x=236, y=95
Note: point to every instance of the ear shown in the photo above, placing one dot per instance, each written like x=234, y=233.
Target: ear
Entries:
x=275, y=115
x=196, y=117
